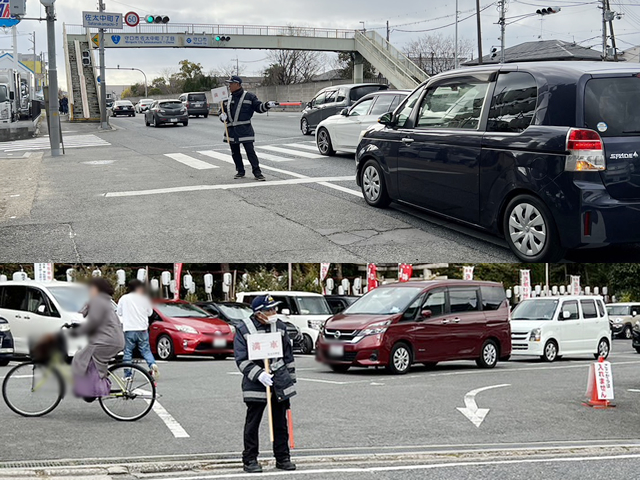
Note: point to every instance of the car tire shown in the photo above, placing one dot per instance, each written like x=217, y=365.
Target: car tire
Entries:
x=186, y=124
x=4, y=362
x=154, y=124
x=514, y=224
x=206, y=115
x=220, y=356
x=399, y=359
x=164, y=348
x=146, y=122
x=323, y=141
x=340, y=368
x=550, y=352
x=638, y=349
x=304, y=127
x=489, y=355
x=604, y=348
x=307, y=345
x=133, y=114
x=373, y=185
x=627, y=333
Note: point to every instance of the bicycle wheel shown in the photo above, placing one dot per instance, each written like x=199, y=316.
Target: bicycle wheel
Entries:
x=32, y=389
x=133, y=393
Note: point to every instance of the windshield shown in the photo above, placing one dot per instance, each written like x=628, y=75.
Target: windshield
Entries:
x=384, y=301
x=197, y=97
x=313, y=306
x=618, y=310
x=70, y=299
x=3, y=93
x=175, y=104
x=535, y=310
x=236, y=312
x=181, y=310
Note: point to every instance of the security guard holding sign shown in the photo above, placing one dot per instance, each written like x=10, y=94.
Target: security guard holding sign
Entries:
x=255, y=380
x=237, y=113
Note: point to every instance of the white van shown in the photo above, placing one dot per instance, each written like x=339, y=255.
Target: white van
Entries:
x=34, y=309
x=307, y=311
x=550, y=327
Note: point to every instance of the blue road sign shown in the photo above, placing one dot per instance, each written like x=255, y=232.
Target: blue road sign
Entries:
x=6, y=20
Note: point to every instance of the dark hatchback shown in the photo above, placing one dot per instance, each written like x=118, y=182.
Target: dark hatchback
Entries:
x=544, y=154
x=6, y=343
x=331, y=100
x=164, y=112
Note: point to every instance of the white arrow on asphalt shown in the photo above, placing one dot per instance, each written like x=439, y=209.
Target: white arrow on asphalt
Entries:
x=471, y=410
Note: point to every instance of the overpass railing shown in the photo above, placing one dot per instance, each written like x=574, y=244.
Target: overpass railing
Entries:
x=195, y=29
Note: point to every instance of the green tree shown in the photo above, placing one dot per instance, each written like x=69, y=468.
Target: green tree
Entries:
x=189, y=70
x=345, y=65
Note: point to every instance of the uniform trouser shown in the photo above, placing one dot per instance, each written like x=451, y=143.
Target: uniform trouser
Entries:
x=251, y=156
x=255, y=411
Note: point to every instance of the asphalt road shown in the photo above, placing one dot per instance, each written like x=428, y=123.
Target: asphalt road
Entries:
x=153, y=195
x=537, y=409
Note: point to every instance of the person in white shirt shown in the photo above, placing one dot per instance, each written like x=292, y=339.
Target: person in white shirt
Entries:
x=134, y=310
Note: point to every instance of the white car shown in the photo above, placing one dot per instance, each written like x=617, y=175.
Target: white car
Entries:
x=34, y=309
x=341, y=133
x=143, y=105
x=550, y=327
x=307, y=311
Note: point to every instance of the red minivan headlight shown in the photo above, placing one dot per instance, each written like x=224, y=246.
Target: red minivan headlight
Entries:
x=376, y=328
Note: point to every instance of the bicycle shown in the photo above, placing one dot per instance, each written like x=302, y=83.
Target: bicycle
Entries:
x=36, y=387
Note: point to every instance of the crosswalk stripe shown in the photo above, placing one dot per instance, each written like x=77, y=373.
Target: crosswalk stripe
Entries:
x=274, y=158
x=190, y=161
x=313, y=148
x=227, y=158
x=288, y=151
x=71, y=141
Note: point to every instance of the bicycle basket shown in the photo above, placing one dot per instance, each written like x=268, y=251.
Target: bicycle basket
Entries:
x=42, y=349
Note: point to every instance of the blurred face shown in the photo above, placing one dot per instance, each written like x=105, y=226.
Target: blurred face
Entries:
x=93, y=291
x=267, y=316
x=234, y=87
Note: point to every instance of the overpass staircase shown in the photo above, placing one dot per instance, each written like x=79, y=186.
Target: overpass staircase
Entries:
x=84, y=105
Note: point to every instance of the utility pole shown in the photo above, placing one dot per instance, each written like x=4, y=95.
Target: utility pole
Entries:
x=502, y=5
x=455, y=55
x=54, y=121
x=479, y=32
x=35, y=65
x=237, y=66
x=613, y=35
x=389, y=32
x=104, y=122
x=604, y=30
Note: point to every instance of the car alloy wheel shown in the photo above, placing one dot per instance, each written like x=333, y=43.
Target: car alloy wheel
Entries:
x=371, y=183
x=324, y=143
x=550, y=351
x=164, y=348
x=304, y=126
x=490, y=354
x=527, y=229
x=401, y=359
x=603, y=349
x=628, y=333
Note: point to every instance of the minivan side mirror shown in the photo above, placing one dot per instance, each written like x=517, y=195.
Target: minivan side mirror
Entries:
x=426, y=314
x=386, y=120
x=309, y=105
x=566, y=315
x=344, y=112
x=42, y=309
x=634, y=313
x=285, y=311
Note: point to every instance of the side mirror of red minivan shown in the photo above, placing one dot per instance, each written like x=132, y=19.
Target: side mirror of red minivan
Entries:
x=426, y=313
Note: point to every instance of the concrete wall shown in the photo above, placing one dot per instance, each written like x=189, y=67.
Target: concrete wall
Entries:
x=301, y=92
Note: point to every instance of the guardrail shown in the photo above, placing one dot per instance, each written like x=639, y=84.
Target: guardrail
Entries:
x=195, y=29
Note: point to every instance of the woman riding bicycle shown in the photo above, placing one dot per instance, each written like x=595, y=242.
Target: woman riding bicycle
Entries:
x=106, y=339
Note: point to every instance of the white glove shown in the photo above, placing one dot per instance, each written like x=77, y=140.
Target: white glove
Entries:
x=266, y=379
x=272, y=104
x=223, y=117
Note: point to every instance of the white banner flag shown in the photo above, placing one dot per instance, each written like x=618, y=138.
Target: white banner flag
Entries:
x=467, y=273
x=43, y=272
x=575, y=285
x=525, y=284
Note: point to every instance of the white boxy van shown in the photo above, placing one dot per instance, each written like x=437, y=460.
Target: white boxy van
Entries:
x=550, y=327
x=307, y=311
x=34, y=309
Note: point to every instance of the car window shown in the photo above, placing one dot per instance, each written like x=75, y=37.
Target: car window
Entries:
x=403, y=114
x=492, y=297
x=396, y=101
x=285, y=302
x=35, y=298
x=197, y=97
x=15, y=298
x=463, y=299
x=436, y=302
x=412, y=310
x=589, y=309
x=601, y=309
x=361, y=109
x=358, y=92
x=319, y=100
x=514, y=102
x=611, y=106
x=468, y=97
x=330, y=97
x=570, y=306
x=382, y=104
x=342, y=95
x=171, y=104
x=313, y=306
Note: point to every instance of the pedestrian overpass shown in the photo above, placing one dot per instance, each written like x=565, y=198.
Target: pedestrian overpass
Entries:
x=364, y=45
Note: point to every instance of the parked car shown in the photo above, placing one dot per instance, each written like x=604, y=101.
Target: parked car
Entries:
x=143, y=105
x=535, y=152
x=622, y=316
x=331, y=100
x=338, y=303
x=163, y=112
x=342, y=132
x=397, y=325
x=34, y=309
x=196, y=103
x=6, y=343
x=180, y=328
x=550, y=327
x=123, y=107
x=307, y=311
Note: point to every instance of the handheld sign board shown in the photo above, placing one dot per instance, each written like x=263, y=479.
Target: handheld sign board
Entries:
x=262, y=346
x=219, y=94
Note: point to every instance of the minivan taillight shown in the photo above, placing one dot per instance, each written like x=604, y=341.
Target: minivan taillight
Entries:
x=586, y=151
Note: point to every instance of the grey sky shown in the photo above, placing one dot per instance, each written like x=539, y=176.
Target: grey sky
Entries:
x=579, y=20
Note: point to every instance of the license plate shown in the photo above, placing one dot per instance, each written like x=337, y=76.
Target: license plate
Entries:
x=336, y=350
x=219, y=342
x=174, y=120
x=197, y=104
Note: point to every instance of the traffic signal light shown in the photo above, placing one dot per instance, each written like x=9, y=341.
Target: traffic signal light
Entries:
x=157, y=19
x=494, y=52
x=86, y=58
x=222, y=38
x=548, y=11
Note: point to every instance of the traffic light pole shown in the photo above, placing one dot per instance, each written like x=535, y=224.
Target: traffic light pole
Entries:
x=54, y=121
x=104, y=122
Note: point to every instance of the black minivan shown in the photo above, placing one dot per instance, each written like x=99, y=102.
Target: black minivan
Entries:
x=329, y=101
x=544, y=154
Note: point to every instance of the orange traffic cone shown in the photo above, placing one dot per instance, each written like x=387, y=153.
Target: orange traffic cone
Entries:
x=592, y=390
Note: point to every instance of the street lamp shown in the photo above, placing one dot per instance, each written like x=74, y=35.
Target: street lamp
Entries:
x=146, y=93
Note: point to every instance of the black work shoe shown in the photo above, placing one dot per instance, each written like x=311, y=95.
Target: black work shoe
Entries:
x=252, y=467
x=238, y=175
x=260, y=178
x=286, y=465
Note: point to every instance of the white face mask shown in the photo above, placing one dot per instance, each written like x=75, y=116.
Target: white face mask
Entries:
x=272, y=319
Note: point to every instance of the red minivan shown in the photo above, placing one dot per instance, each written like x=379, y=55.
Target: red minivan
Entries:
x=427, y=322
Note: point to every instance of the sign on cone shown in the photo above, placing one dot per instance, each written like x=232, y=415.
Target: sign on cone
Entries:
x=600, y=385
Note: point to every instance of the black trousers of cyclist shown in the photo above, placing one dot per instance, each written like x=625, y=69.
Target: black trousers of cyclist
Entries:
x=255, y=411
x=251, y=156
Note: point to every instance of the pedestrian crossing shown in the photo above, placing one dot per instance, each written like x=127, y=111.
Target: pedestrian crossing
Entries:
x=42, y=143
x=288, y=151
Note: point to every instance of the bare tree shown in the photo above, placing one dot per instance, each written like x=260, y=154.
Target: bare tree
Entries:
x=232, y=68
x=436, y=53
x=292, y=66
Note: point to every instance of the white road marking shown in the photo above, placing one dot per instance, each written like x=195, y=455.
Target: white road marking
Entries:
x=171, y=423
x=274, y=158
x=471, y=410
x=350, y=191
x=190, y=161
x=227, y=158
x=71, y=141
x=290, y=152
x=634, y=390
x=228, y=186
x=313, y=148
x=400, y=468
